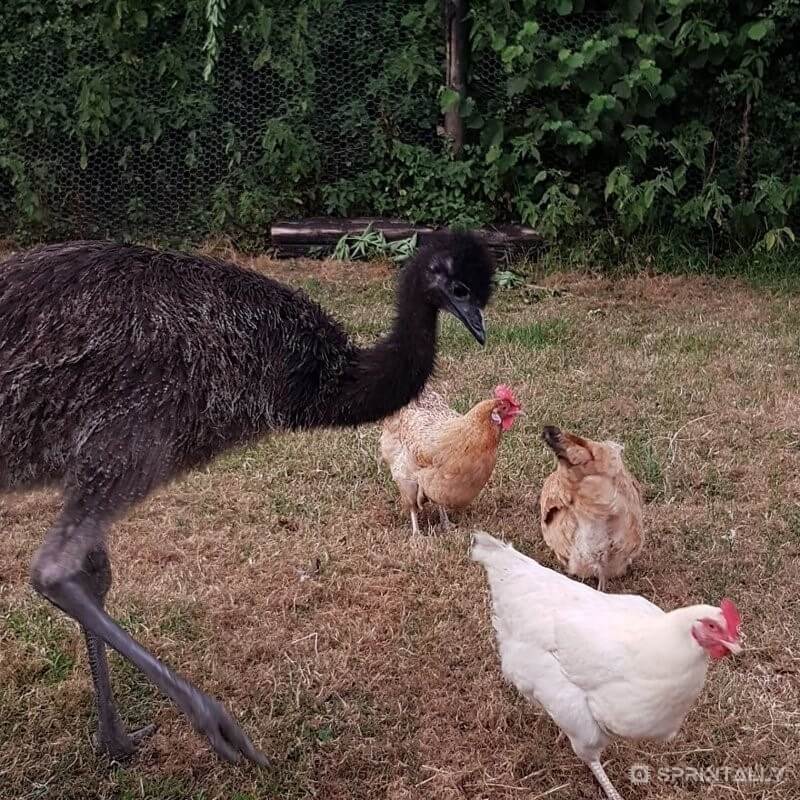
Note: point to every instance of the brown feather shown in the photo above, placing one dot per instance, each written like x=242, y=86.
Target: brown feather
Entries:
x=437, y=454
x=591, y=507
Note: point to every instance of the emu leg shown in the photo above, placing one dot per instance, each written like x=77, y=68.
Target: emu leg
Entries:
x=57, y=575
x=111, y=737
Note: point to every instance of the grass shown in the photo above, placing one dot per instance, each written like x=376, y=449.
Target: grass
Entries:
x=282, y=580
x=533, y=335
x=671, y=253
x=642, y=458
x=41, y=631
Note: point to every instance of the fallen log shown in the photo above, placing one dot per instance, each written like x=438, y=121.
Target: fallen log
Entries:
x=292, y=238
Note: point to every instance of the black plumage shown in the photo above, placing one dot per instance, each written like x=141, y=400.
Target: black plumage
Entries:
x=122, y=366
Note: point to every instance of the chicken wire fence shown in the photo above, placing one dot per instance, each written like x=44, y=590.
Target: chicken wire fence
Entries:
x=232, y=154
x=180, y=179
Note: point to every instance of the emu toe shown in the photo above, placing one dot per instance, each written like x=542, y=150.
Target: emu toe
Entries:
x=229, y=741
x=121, y=746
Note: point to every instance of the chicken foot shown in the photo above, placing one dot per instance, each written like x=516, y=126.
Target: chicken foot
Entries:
x=444, y=520
x=605, y=782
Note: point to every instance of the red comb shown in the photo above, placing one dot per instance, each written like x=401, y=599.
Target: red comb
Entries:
x=503, y=392
x=732, y=618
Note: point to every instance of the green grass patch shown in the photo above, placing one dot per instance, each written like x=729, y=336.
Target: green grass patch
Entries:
x=134, y=786
x=180, y=623
x=40, y=630
x=533, y=336
x=699, y=345
x=644, y=462
x=603, y=251
x=716, y=485
x=134, y=694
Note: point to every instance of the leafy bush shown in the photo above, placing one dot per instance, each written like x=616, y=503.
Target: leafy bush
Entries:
x=649, y=117
x=189, y=117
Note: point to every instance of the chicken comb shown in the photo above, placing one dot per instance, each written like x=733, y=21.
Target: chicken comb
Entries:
x=503, y=392
x=731, y=614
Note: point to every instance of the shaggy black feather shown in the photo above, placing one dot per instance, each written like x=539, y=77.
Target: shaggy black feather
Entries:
x=121, y=367
x=126, y=365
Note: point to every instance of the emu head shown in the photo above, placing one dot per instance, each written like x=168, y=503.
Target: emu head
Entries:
x=457, y=272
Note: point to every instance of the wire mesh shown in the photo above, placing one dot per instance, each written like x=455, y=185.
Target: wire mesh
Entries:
x=743, y=148
x=237, y=139
x=488, y=78
x=273, y=130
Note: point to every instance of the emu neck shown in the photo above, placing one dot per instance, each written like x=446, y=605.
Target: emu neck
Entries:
x=385, y=377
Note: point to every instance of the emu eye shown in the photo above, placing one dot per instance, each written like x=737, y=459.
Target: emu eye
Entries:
x=459, y=291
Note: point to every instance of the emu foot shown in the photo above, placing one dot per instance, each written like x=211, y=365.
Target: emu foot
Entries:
x=118, y=745
x=210, y=718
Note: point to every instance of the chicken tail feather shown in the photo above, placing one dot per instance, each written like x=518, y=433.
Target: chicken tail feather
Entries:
x=485, y=547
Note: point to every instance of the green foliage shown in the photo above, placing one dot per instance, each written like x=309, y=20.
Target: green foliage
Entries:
x=777, y=239
x=203, y=116
x=508, y=279
x=215, y=14
x=648, y=117
x=371, y=245
x=43, y=635
x=536, y=335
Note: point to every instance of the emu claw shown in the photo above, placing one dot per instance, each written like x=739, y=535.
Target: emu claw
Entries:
x=225, y=736
x=120, y=746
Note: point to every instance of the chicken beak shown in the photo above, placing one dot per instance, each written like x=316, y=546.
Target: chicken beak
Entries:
x=470, y=314
x=734, y=647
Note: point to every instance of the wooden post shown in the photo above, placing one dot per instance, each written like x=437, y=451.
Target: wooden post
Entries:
x=456, y=67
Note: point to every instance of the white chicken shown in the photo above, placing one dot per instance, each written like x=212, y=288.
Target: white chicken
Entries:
x=601, y=665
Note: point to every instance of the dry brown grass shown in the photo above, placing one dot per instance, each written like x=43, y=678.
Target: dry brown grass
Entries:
x=282, y=579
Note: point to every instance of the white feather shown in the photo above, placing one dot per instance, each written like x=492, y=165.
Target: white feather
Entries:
x=600, y=664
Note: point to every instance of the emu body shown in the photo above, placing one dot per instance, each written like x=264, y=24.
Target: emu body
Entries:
x=121, y=367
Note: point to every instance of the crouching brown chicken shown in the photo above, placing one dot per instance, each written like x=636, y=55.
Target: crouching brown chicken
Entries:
x=591, y=507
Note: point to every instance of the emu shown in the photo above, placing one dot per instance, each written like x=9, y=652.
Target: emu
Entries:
x=122, y=367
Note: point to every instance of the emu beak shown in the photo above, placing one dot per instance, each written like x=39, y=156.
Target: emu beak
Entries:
x=470, y=314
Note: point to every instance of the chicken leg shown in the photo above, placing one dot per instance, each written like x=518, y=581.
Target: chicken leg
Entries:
x=444, y=521
x=605, y=782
